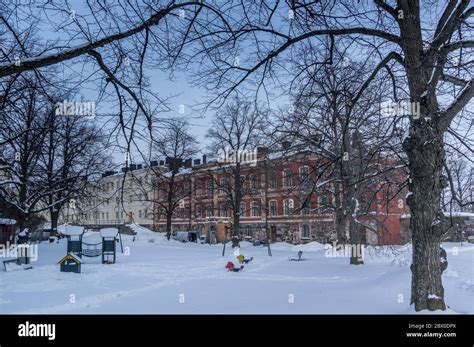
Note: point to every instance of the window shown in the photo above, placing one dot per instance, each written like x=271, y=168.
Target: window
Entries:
x=199, y=211
x=304, y=173
x=242, y=182
x=323, y=203
x=248, y=231
x=223, y=210
x=289, y=207
x=139, y=213
x=107, y=215
x=305, y=231
x=242, y=209
x=288, y=178
x=210, y=188
x=199, y=188
x=209, y=212
x=145, y=214
x=272, y=180
x=305, y=208
x=253, y=180
x=273, y=208
x=116, y=215
x=254, y=209
x=223, y=185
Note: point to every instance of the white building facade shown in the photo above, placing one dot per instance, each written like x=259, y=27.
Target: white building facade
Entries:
x=116, y=198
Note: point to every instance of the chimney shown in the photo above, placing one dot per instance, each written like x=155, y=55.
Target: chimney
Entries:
x=204, y=159
x=188, y=163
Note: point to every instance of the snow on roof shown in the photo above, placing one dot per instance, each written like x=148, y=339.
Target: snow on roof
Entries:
x=109, y=232
x=458, y=214
x=70, y=230
x=7, y=221
x=72, y=256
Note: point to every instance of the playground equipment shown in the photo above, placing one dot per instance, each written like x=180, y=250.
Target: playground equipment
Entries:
x=109, y=240
x=300, y=253
x=105, y=248
x=231, y=267
x=74, y=244
x=242, y=260
x=70, y=263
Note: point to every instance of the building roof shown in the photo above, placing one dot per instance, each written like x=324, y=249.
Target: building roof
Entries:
x=72, y=257
x=70, y=230
x=7, y=221
x=109, y=232
x=458, y=214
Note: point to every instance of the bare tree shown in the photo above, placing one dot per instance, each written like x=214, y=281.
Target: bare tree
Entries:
x=236, y=134
x=176, y=145
x=355, y=145
x=24, y=128
x=459, y=195
x=424, y=48
x=74, y=153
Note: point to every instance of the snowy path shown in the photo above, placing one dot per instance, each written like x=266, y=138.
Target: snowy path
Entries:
x=171, y=277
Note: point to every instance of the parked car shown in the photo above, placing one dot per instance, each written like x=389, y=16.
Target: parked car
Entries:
x=38, y=235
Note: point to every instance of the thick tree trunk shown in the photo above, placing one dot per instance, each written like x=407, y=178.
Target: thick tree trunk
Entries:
x=425, y=151
x=54, y=215
x=238, y=186
x=169, y=217
x=235, y=230
x=427, y=287
x=356, y=243
x=340, y=218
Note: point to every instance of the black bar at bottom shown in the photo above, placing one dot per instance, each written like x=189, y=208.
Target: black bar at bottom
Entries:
x=321, y=330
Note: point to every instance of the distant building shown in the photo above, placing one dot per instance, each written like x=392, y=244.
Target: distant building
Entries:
x=273, y=203
x=116, y=198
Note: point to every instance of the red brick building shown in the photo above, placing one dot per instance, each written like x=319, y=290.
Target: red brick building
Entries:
x=280, y=194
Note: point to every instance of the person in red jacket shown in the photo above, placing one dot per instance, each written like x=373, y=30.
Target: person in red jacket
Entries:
x=231, y=267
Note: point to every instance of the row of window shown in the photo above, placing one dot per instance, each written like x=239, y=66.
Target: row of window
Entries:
x=118, y=215
x=206, y=187
x=305, y=231
x=254, y=210
x=132, y=183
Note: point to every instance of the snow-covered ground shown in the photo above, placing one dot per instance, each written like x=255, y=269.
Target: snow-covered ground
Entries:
x=159, y=276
